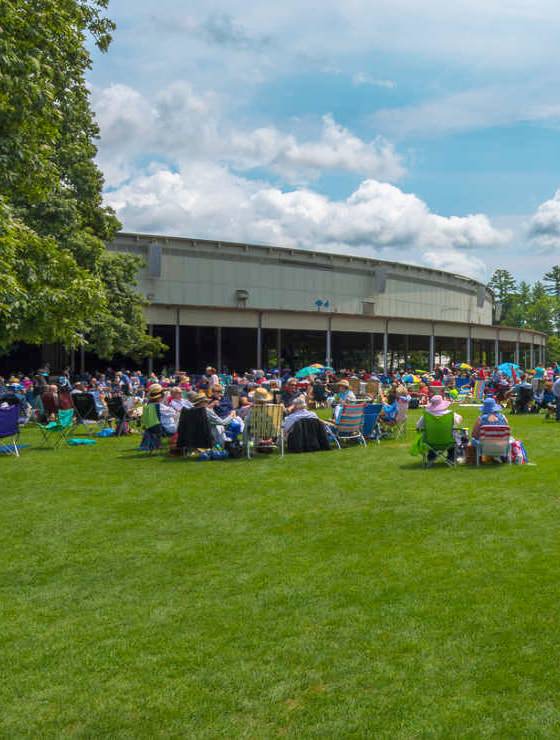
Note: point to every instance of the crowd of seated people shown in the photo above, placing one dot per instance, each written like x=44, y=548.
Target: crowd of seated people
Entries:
x=228, y=398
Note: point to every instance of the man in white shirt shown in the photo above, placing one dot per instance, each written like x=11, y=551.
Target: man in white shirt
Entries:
x=176, y=400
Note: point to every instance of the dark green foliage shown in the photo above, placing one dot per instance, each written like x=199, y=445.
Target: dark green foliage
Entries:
x=49, y=183
x=523, y=305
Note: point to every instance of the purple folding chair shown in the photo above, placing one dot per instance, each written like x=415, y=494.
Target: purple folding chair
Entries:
x=9, y=429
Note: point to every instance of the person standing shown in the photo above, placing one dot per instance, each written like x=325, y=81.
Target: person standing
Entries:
x=556, y=394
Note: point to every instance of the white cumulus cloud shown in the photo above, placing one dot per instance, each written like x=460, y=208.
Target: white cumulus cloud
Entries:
x=544, y=227
x=182, y=126
x=377, y=219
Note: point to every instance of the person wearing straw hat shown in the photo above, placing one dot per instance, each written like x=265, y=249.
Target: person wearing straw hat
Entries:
x=217, y=425
x=151, y=419
x=343, y=395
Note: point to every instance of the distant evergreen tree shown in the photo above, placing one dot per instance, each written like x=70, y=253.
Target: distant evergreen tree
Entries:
x=551, y=280
x=504, y=287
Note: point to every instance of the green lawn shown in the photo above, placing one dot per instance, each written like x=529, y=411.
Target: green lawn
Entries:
x=337, y=594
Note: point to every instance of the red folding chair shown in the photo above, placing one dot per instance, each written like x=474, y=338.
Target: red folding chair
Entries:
x=494, y=441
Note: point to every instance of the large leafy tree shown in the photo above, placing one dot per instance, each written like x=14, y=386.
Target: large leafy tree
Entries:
x=62, y=286
x=551, y=281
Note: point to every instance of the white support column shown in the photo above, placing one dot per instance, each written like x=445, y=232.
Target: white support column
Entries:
x=150, y=359
x=468, y=357
x=541, y=354
x=517, y=356
x=219, y=348
x=328, y=345
x=372, y=351
x=496, y=351
x=178, y=340
x=385, y=346
x=532, y=354
x=431, y=352
x=259, y=343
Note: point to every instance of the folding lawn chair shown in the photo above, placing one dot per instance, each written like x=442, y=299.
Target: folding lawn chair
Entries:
x=438, y=438
x=522, y=400
x=264, y=423
x=478, y=391
x=464, y=394
x=9, y=429
x=401, y=420
x=308, y=435
x=86, y=410
x=494, y=441
x=370, y=425
x=116, y=410
x=193, y=431
x=349, y=424
x=59, y=429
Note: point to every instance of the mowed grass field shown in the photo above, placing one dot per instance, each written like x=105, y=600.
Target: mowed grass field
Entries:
x=338, y=594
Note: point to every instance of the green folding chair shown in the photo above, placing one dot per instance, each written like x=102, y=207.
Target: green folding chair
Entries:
x=58, y=430
x=438, y=438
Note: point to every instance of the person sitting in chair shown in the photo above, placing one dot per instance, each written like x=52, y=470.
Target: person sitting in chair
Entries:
x=438, y=406
x=490, y=413
x=343, y=395
x=151, y=420
x=300, y=411
x=217, y=424
x=290, y=393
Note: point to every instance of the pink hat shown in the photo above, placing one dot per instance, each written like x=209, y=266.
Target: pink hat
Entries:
x=437, y=406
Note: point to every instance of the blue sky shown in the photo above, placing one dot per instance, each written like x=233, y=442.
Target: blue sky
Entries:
x=417, y=132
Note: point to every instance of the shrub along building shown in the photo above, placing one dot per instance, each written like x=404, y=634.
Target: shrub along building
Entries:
x=243, y=305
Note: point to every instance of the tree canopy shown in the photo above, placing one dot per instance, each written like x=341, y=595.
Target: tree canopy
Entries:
x=59, y=281
x=528, y=306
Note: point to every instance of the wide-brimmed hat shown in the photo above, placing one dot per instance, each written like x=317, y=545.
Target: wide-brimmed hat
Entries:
x=261, y=394
x=199, y=398
x=343, y=382
x=437, y=406
x=490, y=406
x=155, y=391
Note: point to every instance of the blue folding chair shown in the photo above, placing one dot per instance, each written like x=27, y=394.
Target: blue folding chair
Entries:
x=370, y=426
x=9, y=429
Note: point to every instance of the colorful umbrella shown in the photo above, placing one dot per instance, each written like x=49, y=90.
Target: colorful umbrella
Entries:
x=464, y=366
x=305, y=372
x=508, y=367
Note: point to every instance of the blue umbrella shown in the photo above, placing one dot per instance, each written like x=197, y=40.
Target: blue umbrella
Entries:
x=508, y=367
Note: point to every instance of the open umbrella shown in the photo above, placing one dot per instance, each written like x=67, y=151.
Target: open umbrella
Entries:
x=465, y=366
x=305, y=372
x=508, y=368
